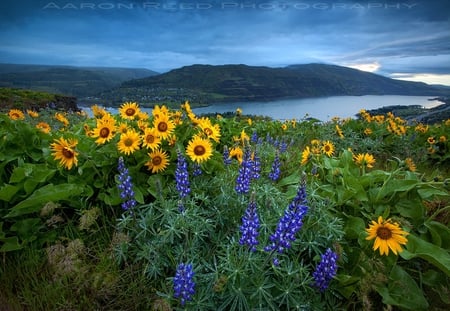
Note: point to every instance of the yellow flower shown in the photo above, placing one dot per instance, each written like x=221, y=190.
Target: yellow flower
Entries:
x=129, y=142
x=249, y=121
x=158, y=161
x=98, y=111
x=16, y=114
x=387, y=235
x=105, y=130
x=368, y=131
x=64, y=151
x=199, y=149
x=237, y=153
x=159, y=111
x=328, y=148
x=421, y=128
x=364, y=160
x=61, y=118
x=284, y=126
x=164, y=126
x=442, y=139
x=431, y=140
x=150, y=138
x=410, y=164
x=32, y=113
x=238, y=111
x=44, y=127
x=339, y=131
x=129, y=110
x=306, y=155
x=123, y=128
x=211, y=131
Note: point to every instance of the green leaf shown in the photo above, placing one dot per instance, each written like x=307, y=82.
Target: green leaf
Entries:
x=354, y=226
x=43, y=195
x=402, y=291
x=10, y=244
x=416, y=247
x=7, y=192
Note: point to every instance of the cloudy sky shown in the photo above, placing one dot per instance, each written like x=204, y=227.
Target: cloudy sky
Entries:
x=405, y=39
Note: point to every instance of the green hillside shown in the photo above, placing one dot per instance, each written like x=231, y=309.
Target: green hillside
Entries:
x=80, y=82
x=207, y=83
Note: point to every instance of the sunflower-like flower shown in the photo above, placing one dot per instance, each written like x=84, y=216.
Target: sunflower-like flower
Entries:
x=306, y=155
x=129, y=142
x=158, y=161
x=32, y=113
x=328, y=148
x=64, y=151
x=339, y=131
x=211, y=131
x=16, y=114
x=104, y=131
x=364, y=160
x=44, y=127
x=410, y=165
x=236, y=153
x=61, y=118
x=387, y=235
x=199, y=149
x=129, y=110
x=164, y=126
x=150, y=138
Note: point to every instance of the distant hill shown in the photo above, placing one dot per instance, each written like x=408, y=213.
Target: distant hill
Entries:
x=207, y=84
x=80, y=82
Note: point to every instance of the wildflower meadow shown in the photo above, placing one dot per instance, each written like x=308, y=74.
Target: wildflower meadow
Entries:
x=170, y=210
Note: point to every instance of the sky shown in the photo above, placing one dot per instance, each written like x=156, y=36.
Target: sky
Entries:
x=405, y=39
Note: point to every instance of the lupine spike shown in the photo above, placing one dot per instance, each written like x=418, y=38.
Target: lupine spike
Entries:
x=182, y=176
x=250, y=226
x=183, y=283
x=325, y=270
x=245, y=174
x=290, y=223
x=275, y=171
x=125, y=186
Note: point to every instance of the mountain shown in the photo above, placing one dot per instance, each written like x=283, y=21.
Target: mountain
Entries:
x=80, y=82
x=208, y=83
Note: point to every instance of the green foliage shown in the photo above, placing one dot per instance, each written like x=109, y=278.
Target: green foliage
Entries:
x=66, y=241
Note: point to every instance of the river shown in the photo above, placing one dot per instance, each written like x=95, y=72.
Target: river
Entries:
x=322, y=108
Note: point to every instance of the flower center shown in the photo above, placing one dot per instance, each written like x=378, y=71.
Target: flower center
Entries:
x=130, y=112
x=384, y=233
x=156, y=160
x=199, y=150
x=104, y=132
x=128, y=142
x=162, y=126
x=68, y=154
x=208, y=131
x=150, y=139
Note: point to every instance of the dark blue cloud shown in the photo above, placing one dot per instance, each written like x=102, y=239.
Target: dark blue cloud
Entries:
x=163, y=35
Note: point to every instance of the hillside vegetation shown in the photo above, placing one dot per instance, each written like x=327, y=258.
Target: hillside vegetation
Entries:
x=207, y=84
x=74, y=81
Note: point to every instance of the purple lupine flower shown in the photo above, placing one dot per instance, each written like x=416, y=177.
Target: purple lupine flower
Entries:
x=182, y=176
x=325, y=270
x=226, y=156
x=183, y=283
x=197, y=170
x=283, y=146
x=250, y=227
x=254, y=138
x=290, y=223
x=125, y=186
x=256, y=166
x=245, y=174
x=275, y=170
